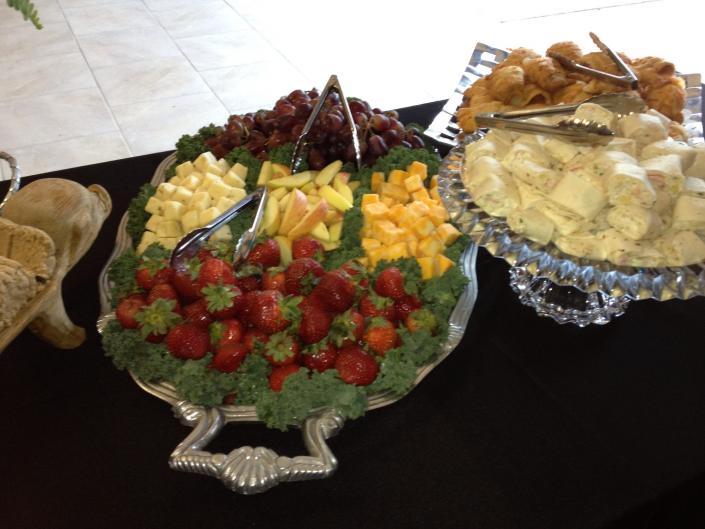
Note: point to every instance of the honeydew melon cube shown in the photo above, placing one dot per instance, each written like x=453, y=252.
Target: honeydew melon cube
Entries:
x=181, y=194
x=148, y=238
x=153, y=222
x=165, y=191
x=184, y=169
x=209, y=179
x=204, y=160
x=200, y=201
x=173, y=210
x=168, y=242
x=154, y=206
x=191, y=181
x=233, y=179
x=169, y=228
x=222, y=234
x=225, y=203
x=219, y=189
x=190, y=221
x=236, y=194
x=207, y=215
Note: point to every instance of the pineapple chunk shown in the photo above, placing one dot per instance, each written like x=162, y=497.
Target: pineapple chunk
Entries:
x=233, y=179
x=236, y=194
x=175, y=180
x=169, y=228
x=225, y=203
x=240, y=170
x=396, y=192
x=430, y=246
x=184, y=169
x=165, y=190
x=369, y=243
x=223, y=165
x=220, y=189
x=222, y=234
x=173, y=210
x=183, y=195
x=204, y=160
x=200, y=201
x=189, y=221
x=376, y=181
x=335, y=230
x=423, y=227
x=426, y=265
x=147, y=238
x=375, y=211
x=418, y=168
x=209, y=179
x=369, y=198
x=207, y=215
x=154, y=206
x=441, y=264
x=168, y=242
x=153, y=222
x=420, y=194
x=191, y=181
x=397, y=177
x=447, y=233
x=413, y=183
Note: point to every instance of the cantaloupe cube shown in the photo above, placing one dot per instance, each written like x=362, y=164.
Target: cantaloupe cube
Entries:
x=447, y=233
x=375, y=255
x=423, y=227
x=397, y=177
x=420, y=194
x=396, y=212
x=375, y=211
x=381, y=229
x=376, y=181
x=438, y=215
x=368, y=243
x=418, y=168
x=426, y=265
x=364, y=261
x=369, y=198
x=412, y=245
x=388, y=201
x=434, y=194
x=413, y=183
x=419, y=209
x=440, y=264
x=434, y=181
x=397, y=192
x=431, y=202
x=430, y=246
x=397, y=250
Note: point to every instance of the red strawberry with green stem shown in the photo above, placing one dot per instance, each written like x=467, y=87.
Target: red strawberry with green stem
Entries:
x=274, y=279
x=307, y=247
x=380, y=336
x=223, y=301
x=315, y=321
x=163, y=291
x=197, y=312
x=406, y=305
x=280, y=374
x=265, y=254
x=390, y=283
x=355, y=366
x=270, y=312
x=128, y=308
x=335, y=291
x=320, y=357
x=229, y=357
x=153, y=272
x=421, y=320
x=301, y=276
x=185, y=280
x=372, y=305
x=225, y=332
x=157, y=318
x=215, y=272
x=255, y=341
x=347, y=328
x=188, y=341
x=282, y=349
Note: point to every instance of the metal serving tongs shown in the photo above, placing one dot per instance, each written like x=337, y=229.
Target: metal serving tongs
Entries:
x=302, y=143
x=628, y=76
x=14, y=181
x=189, y=245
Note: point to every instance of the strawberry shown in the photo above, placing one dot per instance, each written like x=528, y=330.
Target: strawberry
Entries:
x=390, y=283
x=301, y=274
x=265, y=312
x=254, y=340
x=223, y=301
x=128, y=308
x=229, y=399
x=282, y=349
x=372, y=305
x=274, y=279
x=307, y=247
x=226, y=332
x=380, y=336
x=197, y=313
x=188, y=341
x=355, y=366
x=280, y=374
x=347, y=328
x=421, y=320
x=248, y=283
x=249, y=300
x=153, y=272
x=229, y=357
x=163, y=291
x=215, y=272
x=185, y=280
x=321, y=358
x=157, y=318
x=315, y=321
x=335, y=291
x=265, y=254
x=406, y=305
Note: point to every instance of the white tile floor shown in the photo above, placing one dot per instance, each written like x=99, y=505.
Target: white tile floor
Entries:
x=107, y=79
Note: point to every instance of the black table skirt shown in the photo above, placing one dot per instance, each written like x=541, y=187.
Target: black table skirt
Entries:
x=528, y=424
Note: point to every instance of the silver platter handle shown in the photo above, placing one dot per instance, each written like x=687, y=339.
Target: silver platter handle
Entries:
x=14, y=181
x=249, y=470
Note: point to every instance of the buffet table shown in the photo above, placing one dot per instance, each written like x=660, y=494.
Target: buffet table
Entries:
x=528, y=424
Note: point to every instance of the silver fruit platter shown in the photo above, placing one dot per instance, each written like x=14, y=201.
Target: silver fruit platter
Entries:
x=250, y=470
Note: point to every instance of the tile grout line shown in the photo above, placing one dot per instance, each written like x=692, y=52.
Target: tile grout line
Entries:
x=562, y=13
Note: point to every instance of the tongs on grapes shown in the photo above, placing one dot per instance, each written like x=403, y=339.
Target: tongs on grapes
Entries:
x=188, y=246
x=302, y=143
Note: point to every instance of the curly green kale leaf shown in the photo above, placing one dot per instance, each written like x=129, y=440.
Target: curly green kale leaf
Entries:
x=196, y=382
x=350, y=245
x=251, y=379
x=189, y=147
x=137, y=217
x=122, y=275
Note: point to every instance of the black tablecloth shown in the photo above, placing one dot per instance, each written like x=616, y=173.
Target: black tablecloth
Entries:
x=528, y=424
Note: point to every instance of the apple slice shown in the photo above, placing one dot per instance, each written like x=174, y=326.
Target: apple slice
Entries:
x=320, y=232
x=343, y=177
x=334, y=198
x=315, y=215
x=328, y=172
x=279, y=170
x=265, y=173
x=279, y=193
x=284, y=249
x=295, y=211
x=272, y=216
x=290, y=182
x=343, y=189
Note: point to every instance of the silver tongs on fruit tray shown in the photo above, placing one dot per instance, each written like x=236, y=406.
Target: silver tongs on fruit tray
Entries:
x=189, y=245
x=628, y=76
x=302, y=143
